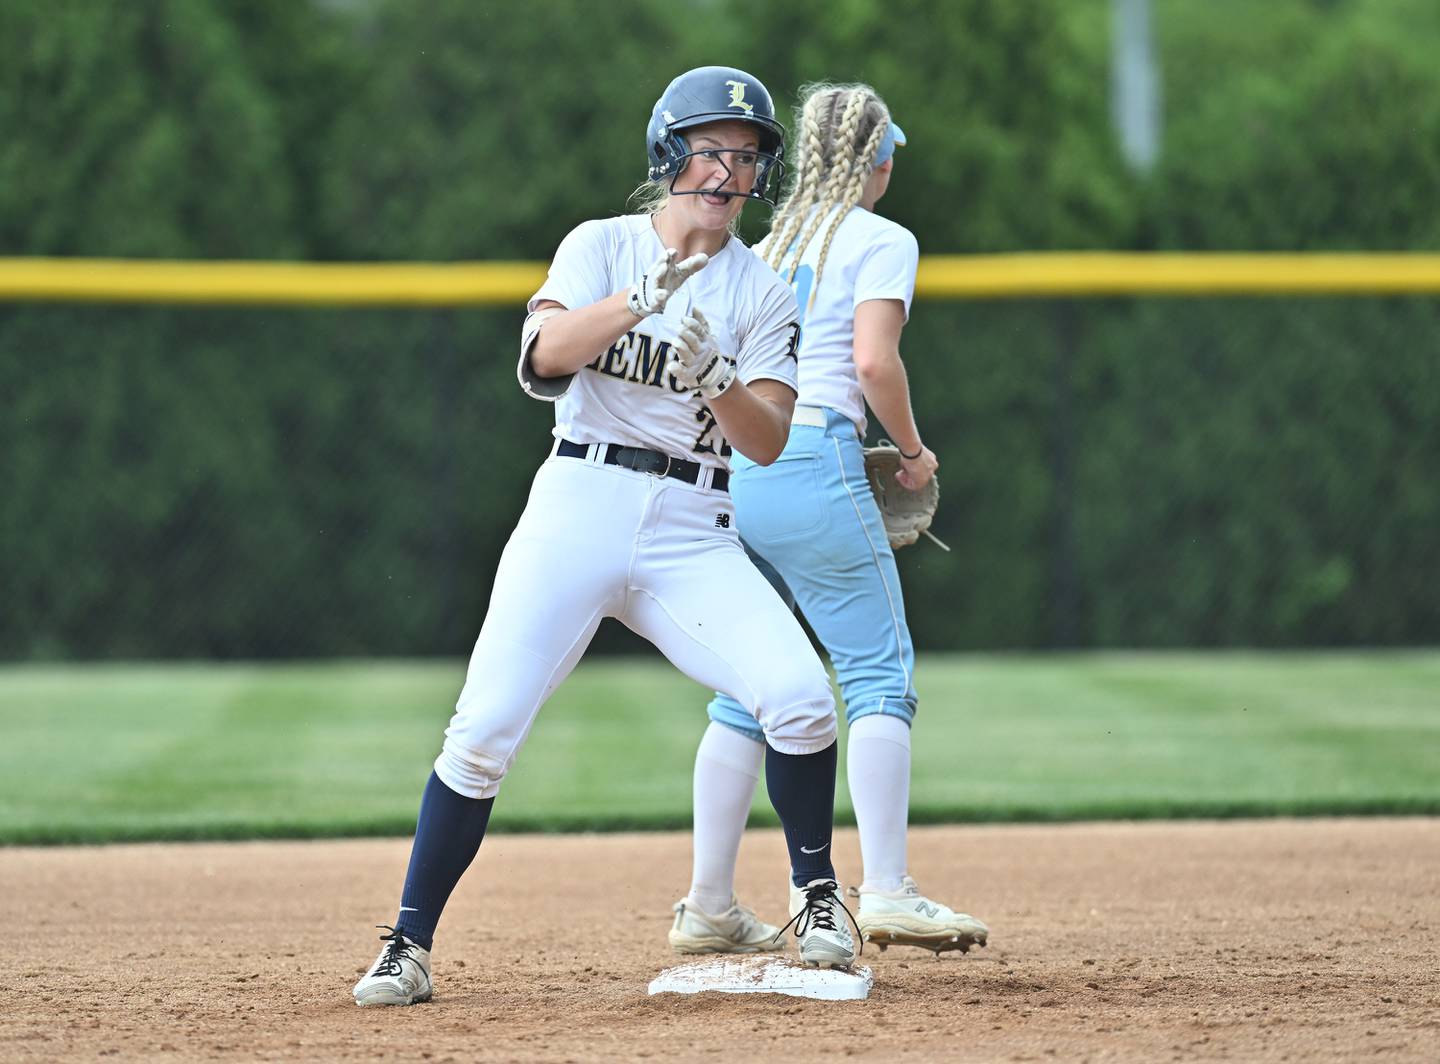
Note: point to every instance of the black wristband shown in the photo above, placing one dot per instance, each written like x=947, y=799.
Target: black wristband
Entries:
x=911, y=457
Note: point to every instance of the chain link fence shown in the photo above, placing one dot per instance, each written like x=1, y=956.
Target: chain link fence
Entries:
x=268, y=483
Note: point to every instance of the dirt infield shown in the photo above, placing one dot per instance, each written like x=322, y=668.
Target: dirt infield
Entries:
x=1269, y=940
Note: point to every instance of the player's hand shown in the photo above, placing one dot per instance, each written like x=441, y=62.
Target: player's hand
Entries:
x=696, y=362
x=916, y=472
x=661, y=282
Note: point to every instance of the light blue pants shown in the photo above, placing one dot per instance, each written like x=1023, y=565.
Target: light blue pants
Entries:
x=810, y=523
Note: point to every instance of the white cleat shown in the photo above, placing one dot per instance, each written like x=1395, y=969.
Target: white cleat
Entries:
x=736, y=930
x=401, y=975
x=905, y=917
x=820, y=929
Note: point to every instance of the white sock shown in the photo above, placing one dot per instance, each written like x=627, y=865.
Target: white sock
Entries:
x=727, y=768
x=877, y=768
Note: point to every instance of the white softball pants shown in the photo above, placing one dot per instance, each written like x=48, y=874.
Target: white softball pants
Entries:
x=661, y=556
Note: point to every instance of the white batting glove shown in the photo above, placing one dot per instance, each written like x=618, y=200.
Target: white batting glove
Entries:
x=661, y=281
x=696, y=362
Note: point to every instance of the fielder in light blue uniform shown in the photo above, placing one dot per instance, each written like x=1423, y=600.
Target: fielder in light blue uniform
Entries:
x=811, y=524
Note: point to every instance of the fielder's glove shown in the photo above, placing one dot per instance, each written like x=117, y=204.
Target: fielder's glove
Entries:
x=696, y=362
x=660, y=282
x=906, y=513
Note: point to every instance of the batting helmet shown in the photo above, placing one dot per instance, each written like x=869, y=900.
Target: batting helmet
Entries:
x=715, y=94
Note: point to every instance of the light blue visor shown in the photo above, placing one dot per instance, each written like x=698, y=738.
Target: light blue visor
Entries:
x=894, y=138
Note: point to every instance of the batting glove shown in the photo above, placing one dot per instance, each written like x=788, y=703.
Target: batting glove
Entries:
x=661, y=281
x=696, y=362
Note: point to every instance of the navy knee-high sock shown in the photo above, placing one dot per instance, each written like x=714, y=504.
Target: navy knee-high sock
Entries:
x=802, y=790
x=447, y=838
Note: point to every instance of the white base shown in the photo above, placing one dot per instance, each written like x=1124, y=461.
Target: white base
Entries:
x=764, y=975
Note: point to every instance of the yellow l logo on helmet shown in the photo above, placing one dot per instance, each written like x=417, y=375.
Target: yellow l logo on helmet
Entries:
x=737, y=95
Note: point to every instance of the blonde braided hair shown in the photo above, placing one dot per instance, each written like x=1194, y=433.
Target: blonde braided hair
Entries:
x=836, y=174
x=805, y=190
x=840, y=130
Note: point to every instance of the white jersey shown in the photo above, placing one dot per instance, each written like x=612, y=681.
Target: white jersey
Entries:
x=870, y=258
x=624, y=395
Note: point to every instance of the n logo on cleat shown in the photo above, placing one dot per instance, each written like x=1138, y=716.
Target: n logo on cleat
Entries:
x=931, y=911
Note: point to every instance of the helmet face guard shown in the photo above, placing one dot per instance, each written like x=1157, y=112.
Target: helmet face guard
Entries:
x=716, y=94
x=769, y=170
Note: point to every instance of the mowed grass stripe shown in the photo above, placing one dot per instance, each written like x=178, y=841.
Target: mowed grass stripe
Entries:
x=106, y=752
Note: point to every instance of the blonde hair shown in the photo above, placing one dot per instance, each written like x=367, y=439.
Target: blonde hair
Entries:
x=650, y=197
x=838, y=133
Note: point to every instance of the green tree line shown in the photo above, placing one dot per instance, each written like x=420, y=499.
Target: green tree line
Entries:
x=264, y=482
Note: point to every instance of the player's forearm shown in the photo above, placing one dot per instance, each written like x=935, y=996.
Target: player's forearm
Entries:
x=754, y=425
x=573, y=339
x=887, y=390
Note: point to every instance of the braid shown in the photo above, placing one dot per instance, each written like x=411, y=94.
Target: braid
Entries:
x=842, y=146
x=840, y=177
x=840, y=130
x=772, y=248
x=803, y=194
x=815, y=183
x=859, y=173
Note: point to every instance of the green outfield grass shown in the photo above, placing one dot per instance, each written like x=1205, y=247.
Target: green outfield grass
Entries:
x=95, y=753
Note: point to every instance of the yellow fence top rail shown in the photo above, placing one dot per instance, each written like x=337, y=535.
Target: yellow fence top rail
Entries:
x=511, y=283
x=1187, y=274
x=270, y=283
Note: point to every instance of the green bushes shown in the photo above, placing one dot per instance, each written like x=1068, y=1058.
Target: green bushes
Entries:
x=204, y=482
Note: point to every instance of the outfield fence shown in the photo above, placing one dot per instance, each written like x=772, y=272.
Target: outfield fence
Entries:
x=259, y=460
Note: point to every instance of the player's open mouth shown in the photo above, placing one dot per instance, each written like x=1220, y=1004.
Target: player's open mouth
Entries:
x=714, y=200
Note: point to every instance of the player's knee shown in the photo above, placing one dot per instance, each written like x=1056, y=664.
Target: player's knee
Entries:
x=473, y=773
x=802, y=727
x=798, y=715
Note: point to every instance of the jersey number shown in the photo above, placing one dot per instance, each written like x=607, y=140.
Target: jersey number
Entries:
x=709, y=434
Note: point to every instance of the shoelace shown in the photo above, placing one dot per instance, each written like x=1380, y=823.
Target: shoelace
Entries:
x=819, y=911
x=397, y=951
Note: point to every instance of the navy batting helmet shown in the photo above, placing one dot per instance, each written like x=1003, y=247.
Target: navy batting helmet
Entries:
x=715, y=94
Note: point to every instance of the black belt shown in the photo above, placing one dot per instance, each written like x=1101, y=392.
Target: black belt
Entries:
x=643, y=461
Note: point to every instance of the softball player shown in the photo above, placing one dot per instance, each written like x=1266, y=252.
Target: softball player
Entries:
x=812, y=525
x=663, y=341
